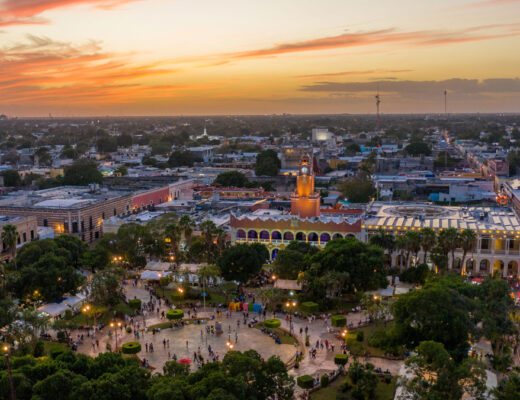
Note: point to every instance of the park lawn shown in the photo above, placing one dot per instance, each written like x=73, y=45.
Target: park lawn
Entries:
x=285, y=338
x=166, y=325
x=216, y=296
x=358, y=348
x=384, y=391
x=51, y=346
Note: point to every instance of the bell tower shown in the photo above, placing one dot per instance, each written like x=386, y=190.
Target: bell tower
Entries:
x=304, y=201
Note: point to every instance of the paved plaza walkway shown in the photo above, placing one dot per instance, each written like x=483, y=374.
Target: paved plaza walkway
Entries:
x=183, y=342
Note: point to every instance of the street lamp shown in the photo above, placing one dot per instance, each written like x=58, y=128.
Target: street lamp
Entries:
x=344, y=333
x=5, y=348
x=229, y=345
x=115, y=325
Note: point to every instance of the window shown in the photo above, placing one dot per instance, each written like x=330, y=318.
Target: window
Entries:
x=32, y=235
x=82, y=226
x=74, y=226
x=25, y=237
x=115, y=211
x=45, y=222
x=103, y=215
x=96, y=235
x=90, y=226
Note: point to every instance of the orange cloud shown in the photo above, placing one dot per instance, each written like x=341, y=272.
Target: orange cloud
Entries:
x=24, y=12
x=386, y=36
x=51, y=71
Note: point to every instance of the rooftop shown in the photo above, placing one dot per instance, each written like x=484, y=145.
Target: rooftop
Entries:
x=391, y=215
x=64, y=197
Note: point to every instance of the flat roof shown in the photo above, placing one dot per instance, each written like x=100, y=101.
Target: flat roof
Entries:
x=63, y=197
x=411, y=216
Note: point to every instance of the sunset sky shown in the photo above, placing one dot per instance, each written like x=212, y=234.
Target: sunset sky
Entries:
x=172, y=57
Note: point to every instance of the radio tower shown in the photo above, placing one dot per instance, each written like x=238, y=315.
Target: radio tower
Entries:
x=378, y=101
x=445, y=101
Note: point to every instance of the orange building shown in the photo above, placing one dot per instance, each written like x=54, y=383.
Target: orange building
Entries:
x=305, y=202
x=304, y=223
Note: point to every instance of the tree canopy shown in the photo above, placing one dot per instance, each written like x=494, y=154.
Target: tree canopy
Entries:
x=231, y=178
x=267, y=163
x=180, y=158
x=242, y=262
x=81, y=173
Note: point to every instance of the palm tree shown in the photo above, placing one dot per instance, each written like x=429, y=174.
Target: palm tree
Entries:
x=384, y=240
x=414, y=244
x=172, y=233
x=208, y=231
x=401, y=243
x=428, y=239
x=468, y=240
x=449, y=242
x=187, y=225
x=10, y=238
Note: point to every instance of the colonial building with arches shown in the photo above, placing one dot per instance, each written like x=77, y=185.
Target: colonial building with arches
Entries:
x=497, y=229
x=304, y=223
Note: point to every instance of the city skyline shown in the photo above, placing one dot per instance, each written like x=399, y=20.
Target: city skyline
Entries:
x=162, y=57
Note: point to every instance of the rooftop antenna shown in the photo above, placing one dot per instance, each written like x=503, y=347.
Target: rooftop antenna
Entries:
x=378, y=101
x=445, y=101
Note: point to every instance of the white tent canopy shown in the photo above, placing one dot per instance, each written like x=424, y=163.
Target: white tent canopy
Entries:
x=54, y=309
x=148, y=275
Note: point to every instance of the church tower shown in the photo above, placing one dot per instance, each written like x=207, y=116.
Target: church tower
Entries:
x=304, y=201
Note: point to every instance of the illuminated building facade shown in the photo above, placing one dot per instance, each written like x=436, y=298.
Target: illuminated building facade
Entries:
x=304, y=223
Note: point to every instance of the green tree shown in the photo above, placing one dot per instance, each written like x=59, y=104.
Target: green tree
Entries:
x=81, y=173
x=437, y=312
x=182, y=159
x=106, y=144
x=428, y=239
x=122, y=170
x=436, y=375
x=160, y=147
x=267, y=163
x=449, y=241
x=508, y=388
x=288, y=264
x=357, y=264
x=104, y=287
x=186, y=225
x=11, y=178
x=468, y=241
x=417, y=148
x=384, y=240
x=241, y=262
x=231, y=179
x=358, y=190
x=10, y=238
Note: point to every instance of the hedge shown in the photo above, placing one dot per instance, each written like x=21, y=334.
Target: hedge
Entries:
x=175, y=314
x=310, y=307
x=341, y=359
x=305, y=381
x=272, y=323
x=135, y=304
x=324, y=380
x=338, y=320
x=131, y=348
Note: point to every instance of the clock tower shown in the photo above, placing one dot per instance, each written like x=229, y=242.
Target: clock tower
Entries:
x=304, y=201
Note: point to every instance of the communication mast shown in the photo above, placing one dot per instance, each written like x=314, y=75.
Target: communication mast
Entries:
x=378, y=101
x=445, y=101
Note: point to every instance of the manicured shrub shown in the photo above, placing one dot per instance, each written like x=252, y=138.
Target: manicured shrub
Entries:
x=131, y=348
x=61, y=336
x=272, y=323
x=135, y=304
x=305, y=381
x=310, y=307
x=341, y=359
x=324, y=380
x=338, y=320
x=129, y=329
x=39, y=349
x=175, y=314
x=360, y=336
x=56, y=352
x=307, y=340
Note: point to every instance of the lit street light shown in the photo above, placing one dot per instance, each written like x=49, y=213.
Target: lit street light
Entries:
x=115, y=326
x=5, y=348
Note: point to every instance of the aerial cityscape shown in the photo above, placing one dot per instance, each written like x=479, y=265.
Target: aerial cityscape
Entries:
x=259, y=200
